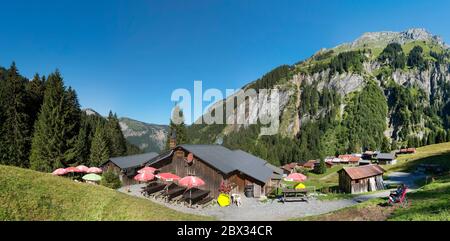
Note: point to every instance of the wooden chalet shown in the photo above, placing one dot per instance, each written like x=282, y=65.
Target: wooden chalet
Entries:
x=289, y=168
x=349, y=159
x=386, y=159
x=127, y=166
x=216, y=164
x=361, y=179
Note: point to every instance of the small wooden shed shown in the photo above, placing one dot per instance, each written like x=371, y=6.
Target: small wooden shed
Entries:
x=361, y=179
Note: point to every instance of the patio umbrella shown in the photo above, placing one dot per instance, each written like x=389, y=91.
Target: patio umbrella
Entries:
x=92, y=177
x=191, y=181
x=168, y=177
x=82, y=168
x=94, y=170
x=300, y=186
x=148, y=169
x=144, y=177
x=59, y=172
x=296, y=177
x=223, y=200
x=72, y=170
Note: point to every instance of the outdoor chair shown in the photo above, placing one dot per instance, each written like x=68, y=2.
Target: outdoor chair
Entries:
x=398, y=196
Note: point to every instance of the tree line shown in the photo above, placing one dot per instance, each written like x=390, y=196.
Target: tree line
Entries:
x=42, y=126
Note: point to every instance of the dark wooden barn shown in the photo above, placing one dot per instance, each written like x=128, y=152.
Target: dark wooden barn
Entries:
x=216, y=164
x=127, y=166
x=361, y=179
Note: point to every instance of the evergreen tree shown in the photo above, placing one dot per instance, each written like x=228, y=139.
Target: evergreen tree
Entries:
x=56, y=129
x=99, y=147
x=179, y=129
x=35, y=92
x=14, y=128
x=116, y=140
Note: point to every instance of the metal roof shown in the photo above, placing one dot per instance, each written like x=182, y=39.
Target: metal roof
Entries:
x=363, y=171
x=227, y=161
x=386, y=156
x=133, y=161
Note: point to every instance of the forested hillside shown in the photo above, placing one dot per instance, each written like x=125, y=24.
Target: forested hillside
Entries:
x=383, y=91
x=42, y=126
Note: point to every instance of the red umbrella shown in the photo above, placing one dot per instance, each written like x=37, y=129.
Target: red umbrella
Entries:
x=191, y=181
x=144, y=177
x=82, y=168
x=95, y=170
x=59, y=172
x=168, y=177
x=297, y=177
x=148, y=169
x=72, y=169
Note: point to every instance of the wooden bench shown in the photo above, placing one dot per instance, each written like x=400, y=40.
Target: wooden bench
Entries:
x=294, y=195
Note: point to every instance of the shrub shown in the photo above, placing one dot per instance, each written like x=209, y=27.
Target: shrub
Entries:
x=111, y=179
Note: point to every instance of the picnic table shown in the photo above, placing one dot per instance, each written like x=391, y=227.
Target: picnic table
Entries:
x=294, y=195
x=193, y=196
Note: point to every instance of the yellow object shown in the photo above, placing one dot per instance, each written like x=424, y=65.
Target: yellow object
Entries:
x=224, y=200
x=300, y=186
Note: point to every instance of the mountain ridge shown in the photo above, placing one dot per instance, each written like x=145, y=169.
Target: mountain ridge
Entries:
x=421, y=76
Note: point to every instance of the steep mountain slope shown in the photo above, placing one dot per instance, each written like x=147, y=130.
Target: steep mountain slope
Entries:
x=148, y=137
x=382, y=91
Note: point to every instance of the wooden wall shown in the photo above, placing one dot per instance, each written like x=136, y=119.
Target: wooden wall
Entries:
x=213, y=178
x=369, y=184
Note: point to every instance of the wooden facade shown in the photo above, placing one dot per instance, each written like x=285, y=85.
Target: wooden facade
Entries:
x=126, y=179
x=363, y=182
x=177, y=163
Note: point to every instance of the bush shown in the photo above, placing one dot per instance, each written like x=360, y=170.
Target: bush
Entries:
x=111, y=179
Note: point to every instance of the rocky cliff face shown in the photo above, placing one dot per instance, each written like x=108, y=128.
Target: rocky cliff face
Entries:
x=148, y=137
x=430, y=80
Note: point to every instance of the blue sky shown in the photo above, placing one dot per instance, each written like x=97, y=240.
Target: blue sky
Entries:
x=128, y=56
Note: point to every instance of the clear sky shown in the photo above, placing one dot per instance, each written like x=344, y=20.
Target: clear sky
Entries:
x=128, y=56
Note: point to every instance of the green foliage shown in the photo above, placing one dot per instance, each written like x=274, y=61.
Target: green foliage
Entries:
x=99, y=147
x=56, y=128
x=365, y=119
x=272, y=78
x=14, y=127
x=351, y=61
x=393, y=56
x=179, y=130
x=415, y=58
x=115, y=138
x=111, y=179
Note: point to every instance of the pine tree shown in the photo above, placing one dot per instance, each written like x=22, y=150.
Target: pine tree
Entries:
x=99, y=147
x=35, y=93
x=180, y=129
x=14, y=128
x=57, y=126
x=116, y=140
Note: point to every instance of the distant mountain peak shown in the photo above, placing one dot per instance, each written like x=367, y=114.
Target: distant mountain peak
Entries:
x=89, y=111
x=382, y=38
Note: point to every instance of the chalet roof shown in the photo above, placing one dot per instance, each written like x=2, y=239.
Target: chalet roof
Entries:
x=363, y=171
x=124, y=162
x=386, y=156
x=289, y=166
x=275, y=169
x=227, y=161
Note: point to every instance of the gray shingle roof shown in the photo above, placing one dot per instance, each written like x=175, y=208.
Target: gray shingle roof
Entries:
x=386, y=156
x=133, y=161
x=227, y=161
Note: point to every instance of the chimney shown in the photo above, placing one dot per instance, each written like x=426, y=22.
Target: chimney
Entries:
x=173, y=140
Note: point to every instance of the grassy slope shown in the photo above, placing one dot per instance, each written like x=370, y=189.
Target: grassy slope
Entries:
x=431, y=202
x=30, y=195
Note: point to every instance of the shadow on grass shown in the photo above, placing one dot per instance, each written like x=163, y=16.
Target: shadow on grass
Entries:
x=440, y=159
